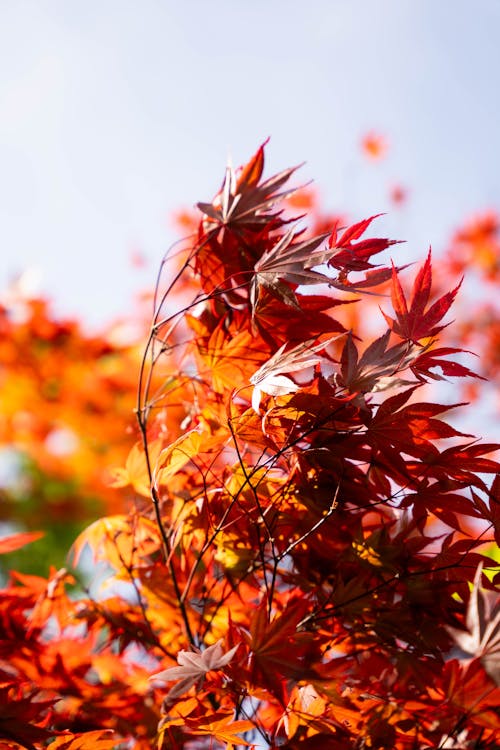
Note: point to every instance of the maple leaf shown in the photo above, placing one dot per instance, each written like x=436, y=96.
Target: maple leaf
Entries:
x=136, y=472
x=422, y=365
x=176, y=455
x=17, y=711
x=98, y=739
x=482, y=637
x=117, y=539
x=372, y=278
x=194, y=444
x=411, y=429
x=347, y=256
x=290, y=262
x=15, y=541
x=243, y=199
x=281, y=323
x=464, y=687
x=228, y=359
x=221, y=727
x=493, y=512
x=464, y=463
x=305, y=705
x=270, y=379
x=53, y=601
x=376, y=368
x=418, y=321
x=193, y=666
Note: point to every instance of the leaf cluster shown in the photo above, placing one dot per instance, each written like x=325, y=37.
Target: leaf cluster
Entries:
x=305, y=563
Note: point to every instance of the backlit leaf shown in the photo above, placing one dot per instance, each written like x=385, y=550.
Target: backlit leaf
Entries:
x=15, y=541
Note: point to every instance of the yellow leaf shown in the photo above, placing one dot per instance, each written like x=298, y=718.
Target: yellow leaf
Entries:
x=189, y=446
x=230, y=359
x=232, y=554
x=177, y=454
x=135, y=471
x=116, y=539
x=98, y=739
x=221, y=727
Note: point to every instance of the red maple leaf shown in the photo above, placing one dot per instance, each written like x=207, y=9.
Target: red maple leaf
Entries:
x=418, y=321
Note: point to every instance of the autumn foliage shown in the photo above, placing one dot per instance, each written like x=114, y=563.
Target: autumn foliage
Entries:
x=299, y=549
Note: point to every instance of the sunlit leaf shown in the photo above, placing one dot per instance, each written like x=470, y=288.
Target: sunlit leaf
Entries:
x=15, y=541
x=98, y=739
x=136, y=471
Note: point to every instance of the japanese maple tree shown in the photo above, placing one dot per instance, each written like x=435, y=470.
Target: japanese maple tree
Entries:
x=306, y=564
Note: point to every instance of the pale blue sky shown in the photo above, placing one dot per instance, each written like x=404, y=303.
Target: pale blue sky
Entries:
x=115, y=113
